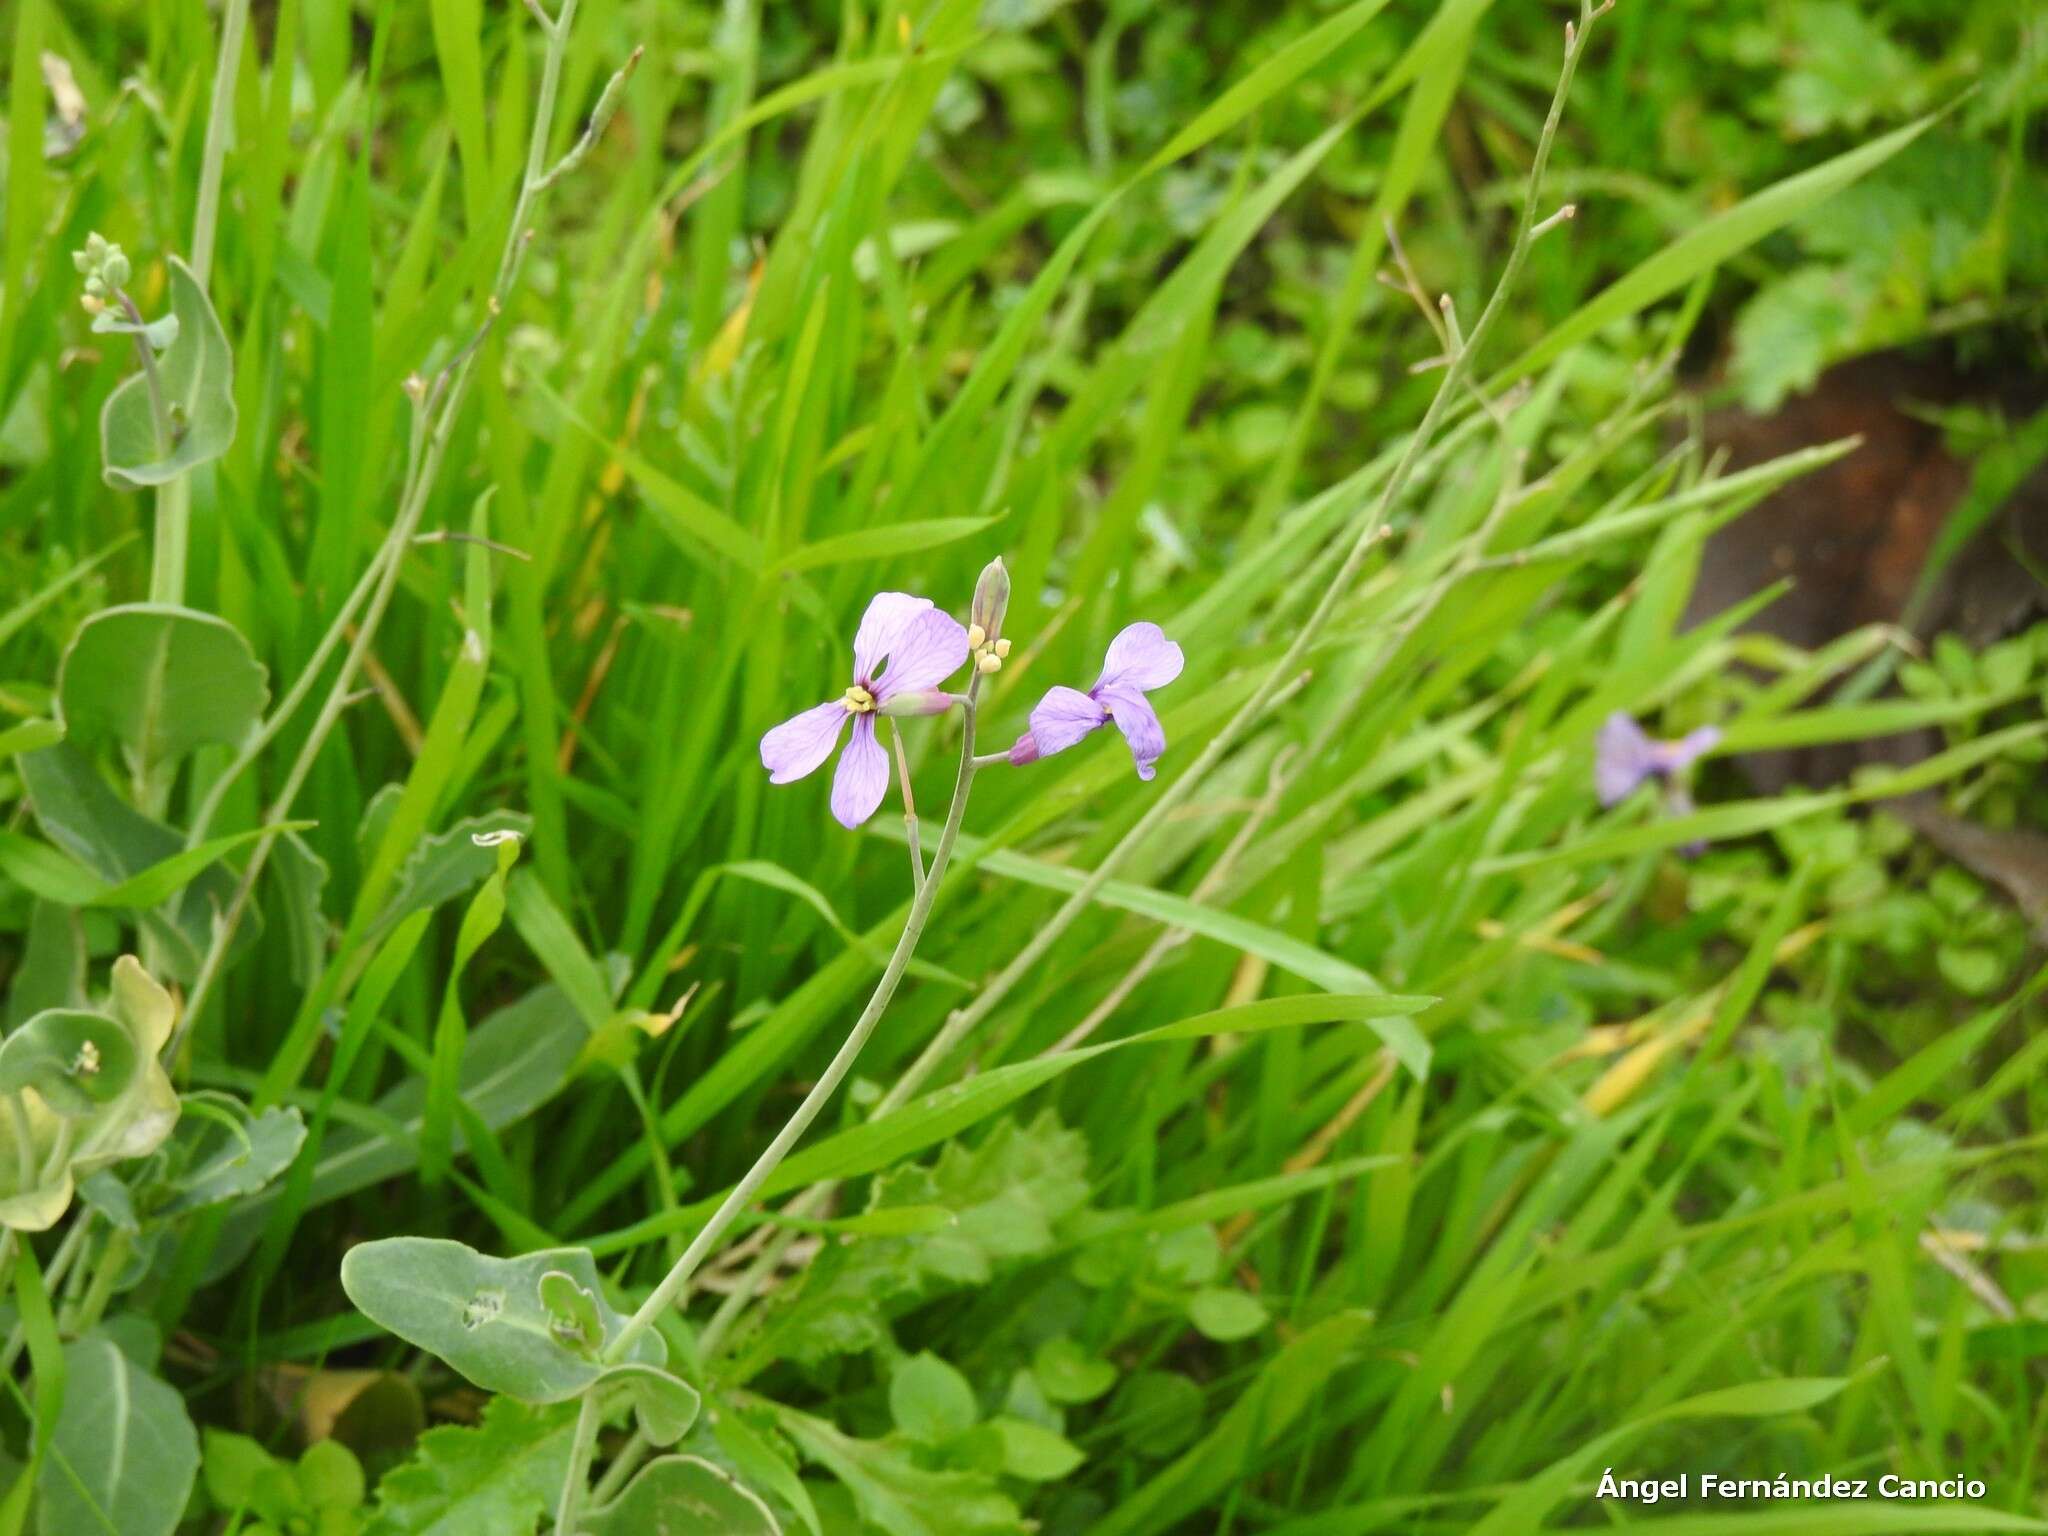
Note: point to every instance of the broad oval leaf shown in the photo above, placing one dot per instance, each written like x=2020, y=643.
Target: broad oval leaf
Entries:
x=684, y=1496
x=197, y=375
x=161, y=680
x=485, y=1316
x=123, y=1454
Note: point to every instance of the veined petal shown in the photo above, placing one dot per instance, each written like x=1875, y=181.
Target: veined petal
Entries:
x=1062, y=718
x=1623, y=757
x=863, y=775
x=798, y=745
x=1139, y=721
x=880, y=628
x=1140, y=658
x=929, y=649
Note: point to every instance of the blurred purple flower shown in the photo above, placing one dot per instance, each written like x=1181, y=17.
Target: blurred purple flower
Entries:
x=1140, y=659
x=922, y=647
x=1626, y=756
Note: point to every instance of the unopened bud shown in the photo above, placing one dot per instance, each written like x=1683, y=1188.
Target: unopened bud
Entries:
x=917, y=701
x=991, y=601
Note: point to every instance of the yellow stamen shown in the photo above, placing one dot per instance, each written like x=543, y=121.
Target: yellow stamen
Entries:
x=977, y=637
x=858, y=700
x=1003, y=647
x=989, y=662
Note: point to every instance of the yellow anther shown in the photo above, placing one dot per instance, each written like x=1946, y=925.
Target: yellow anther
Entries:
x=88, y=1063
x=1003, y=647
x=858, y=700
x=988, y=662
x=977, y=637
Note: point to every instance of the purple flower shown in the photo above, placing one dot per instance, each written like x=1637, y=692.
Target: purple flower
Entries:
x=1140, y=659
x=1625, y=756
x=922, y=648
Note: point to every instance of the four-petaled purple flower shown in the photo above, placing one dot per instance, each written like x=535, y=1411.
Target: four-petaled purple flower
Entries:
x=1626, y=756
x=922, y=647
x=1140, y=659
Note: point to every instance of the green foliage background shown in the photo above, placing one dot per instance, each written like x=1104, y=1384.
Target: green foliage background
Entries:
x=1733, y=1163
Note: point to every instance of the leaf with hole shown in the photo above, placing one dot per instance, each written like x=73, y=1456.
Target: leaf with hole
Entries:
x=485, y=1316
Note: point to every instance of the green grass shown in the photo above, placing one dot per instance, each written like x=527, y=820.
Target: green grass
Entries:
x=1730, y=1164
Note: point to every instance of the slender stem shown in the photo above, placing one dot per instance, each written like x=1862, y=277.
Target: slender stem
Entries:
x=568, y=1511
x=963, y=1020
x=909, y=807
x=60, y=1264
x=666, y=1294
x=93, y=1306
x=24, y=1143
x=159, y=406
x=635, y=1451
x=288, y=706
x=430, y=445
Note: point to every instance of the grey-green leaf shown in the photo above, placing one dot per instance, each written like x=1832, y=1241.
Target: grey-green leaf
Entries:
x=235, y=1166
x=485, y=1316
x=665, y=1405
x=684, y=1496
x=197, y=375
x=161, y=680
x=123, y=1454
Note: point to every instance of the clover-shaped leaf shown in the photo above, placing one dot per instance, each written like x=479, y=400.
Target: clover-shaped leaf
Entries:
x=197, y=376
x=684, y=1496
x=485, y=1316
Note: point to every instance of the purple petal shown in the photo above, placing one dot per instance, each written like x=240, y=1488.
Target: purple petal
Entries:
x=1062, y=718
x=1669, y=757
x=863, y=776
x=1140, y=658
x=1622, y=758
x=880, y=628
x=1024, y=750
x=798, y=745
x=929, y=649
x=1136, y=718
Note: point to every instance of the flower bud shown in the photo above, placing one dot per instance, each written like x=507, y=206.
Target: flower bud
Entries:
x=917, y=701
x=991, y=599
